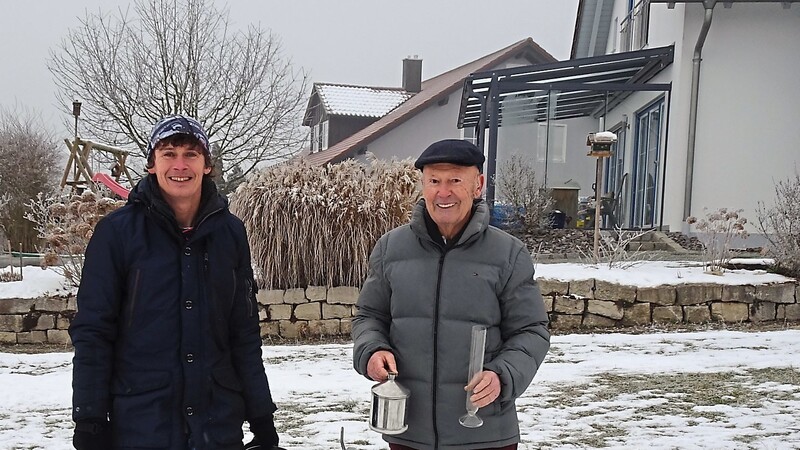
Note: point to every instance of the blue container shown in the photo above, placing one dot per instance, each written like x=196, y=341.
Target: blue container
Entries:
x=506, y=217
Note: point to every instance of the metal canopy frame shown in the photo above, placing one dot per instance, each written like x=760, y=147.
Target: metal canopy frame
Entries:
x=583, y=87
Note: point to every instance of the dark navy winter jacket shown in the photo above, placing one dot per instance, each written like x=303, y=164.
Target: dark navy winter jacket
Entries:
x=166, y=337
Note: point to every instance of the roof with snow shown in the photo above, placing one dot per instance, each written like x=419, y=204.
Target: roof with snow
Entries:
x=362, y=101
x=433, y=90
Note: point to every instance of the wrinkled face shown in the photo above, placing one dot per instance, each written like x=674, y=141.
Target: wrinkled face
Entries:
x=179, y=170
x=449, y=190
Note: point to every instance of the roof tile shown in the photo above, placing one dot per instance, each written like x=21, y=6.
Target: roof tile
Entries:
x=360, y=100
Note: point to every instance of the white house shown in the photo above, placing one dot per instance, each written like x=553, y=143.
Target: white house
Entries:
x=703, y=96
x=347, y=121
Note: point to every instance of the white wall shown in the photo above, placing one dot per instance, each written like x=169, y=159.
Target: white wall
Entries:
x=410, y=138
x=749, y=104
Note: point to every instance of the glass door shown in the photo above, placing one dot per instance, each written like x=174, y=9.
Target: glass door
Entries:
x=614, y=183
x=647, y=156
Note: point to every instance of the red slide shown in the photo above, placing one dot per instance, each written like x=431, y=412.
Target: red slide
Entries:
x=111, y=184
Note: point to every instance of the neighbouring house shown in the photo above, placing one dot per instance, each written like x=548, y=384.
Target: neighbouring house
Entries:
x=702, y=96
x=336, y=111
x=348, y=121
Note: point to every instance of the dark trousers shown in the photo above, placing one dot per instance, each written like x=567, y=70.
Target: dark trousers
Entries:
x=403, y=447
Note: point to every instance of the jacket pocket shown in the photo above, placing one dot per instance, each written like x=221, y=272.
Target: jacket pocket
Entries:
x=227, y=411
x=141, y=409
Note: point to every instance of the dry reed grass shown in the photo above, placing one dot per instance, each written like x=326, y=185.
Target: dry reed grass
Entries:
x=316, y=226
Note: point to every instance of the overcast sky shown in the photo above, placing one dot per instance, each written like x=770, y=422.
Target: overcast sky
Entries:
x=344, y=41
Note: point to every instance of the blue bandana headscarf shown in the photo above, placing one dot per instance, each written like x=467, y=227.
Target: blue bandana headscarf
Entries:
x=177, y=124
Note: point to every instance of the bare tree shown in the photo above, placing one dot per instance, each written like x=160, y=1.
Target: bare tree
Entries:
x=180, y=57
x=29, y=164
x=780, y=225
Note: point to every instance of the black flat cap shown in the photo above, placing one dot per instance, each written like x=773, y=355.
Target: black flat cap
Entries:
x=453, y=151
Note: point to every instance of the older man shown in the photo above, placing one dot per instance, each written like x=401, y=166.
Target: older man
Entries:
x=429, y=282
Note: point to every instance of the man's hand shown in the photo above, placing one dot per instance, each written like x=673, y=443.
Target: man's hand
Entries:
x=485, y=388
x=380, y=364
x=93, y=434
x=265, y=435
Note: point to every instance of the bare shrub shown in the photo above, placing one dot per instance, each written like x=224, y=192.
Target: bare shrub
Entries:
x=614, y=249
x=780, y=224
x=66, y=225
x=517, y=186
x=717, y=231
x=316, y=226
x=7, y=276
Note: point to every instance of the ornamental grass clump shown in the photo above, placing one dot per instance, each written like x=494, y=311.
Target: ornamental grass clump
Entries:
x=316, y=226
x=66, y=225
x=717, y=231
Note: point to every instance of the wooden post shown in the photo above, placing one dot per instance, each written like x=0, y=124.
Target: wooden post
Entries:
x=598, y=188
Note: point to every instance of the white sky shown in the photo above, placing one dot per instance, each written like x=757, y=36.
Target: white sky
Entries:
x=343, y=41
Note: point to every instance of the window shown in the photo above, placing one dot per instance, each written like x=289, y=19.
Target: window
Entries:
x=315, y=138
x=647, y=156
x=633, y=31
x=552, y=146
x=323, y=136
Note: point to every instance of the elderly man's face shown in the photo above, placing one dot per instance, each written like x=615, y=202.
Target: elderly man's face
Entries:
x=449, y=190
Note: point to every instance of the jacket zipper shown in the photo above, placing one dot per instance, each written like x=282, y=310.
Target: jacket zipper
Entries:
x=133, y=297
x=252, y=306
x=436, y=348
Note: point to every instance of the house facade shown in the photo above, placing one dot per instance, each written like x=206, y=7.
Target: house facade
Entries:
x=428, y=113
x=708, y=122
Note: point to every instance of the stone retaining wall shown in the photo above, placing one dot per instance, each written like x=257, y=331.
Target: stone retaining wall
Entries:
x=319, y=311
x=597, y=303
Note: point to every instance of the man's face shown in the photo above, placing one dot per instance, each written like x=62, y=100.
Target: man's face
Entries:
x=179, y=170
x=449, y=190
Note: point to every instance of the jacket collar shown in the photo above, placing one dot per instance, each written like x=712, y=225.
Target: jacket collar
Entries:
x=147, y=193
x=476, y=224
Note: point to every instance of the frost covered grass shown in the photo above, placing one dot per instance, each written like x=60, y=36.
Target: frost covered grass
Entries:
x=699, y=390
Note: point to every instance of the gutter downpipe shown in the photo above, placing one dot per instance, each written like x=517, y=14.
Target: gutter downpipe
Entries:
x=698, y=50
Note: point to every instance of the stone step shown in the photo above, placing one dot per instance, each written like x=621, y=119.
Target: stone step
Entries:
x=654, y=240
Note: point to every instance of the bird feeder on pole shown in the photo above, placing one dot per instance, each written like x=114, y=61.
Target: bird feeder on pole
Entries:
x=600, y=146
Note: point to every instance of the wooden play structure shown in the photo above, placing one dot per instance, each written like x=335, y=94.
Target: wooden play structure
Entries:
x=79, y=172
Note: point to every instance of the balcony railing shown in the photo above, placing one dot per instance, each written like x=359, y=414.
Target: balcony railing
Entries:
x=633, y=29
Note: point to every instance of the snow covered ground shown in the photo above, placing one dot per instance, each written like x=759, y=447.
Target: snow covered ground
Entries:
x=694, y=390
x=698, y=390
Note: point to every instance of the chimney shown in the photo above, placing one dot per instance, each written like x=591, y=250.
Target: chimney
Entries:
x=412, y=74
